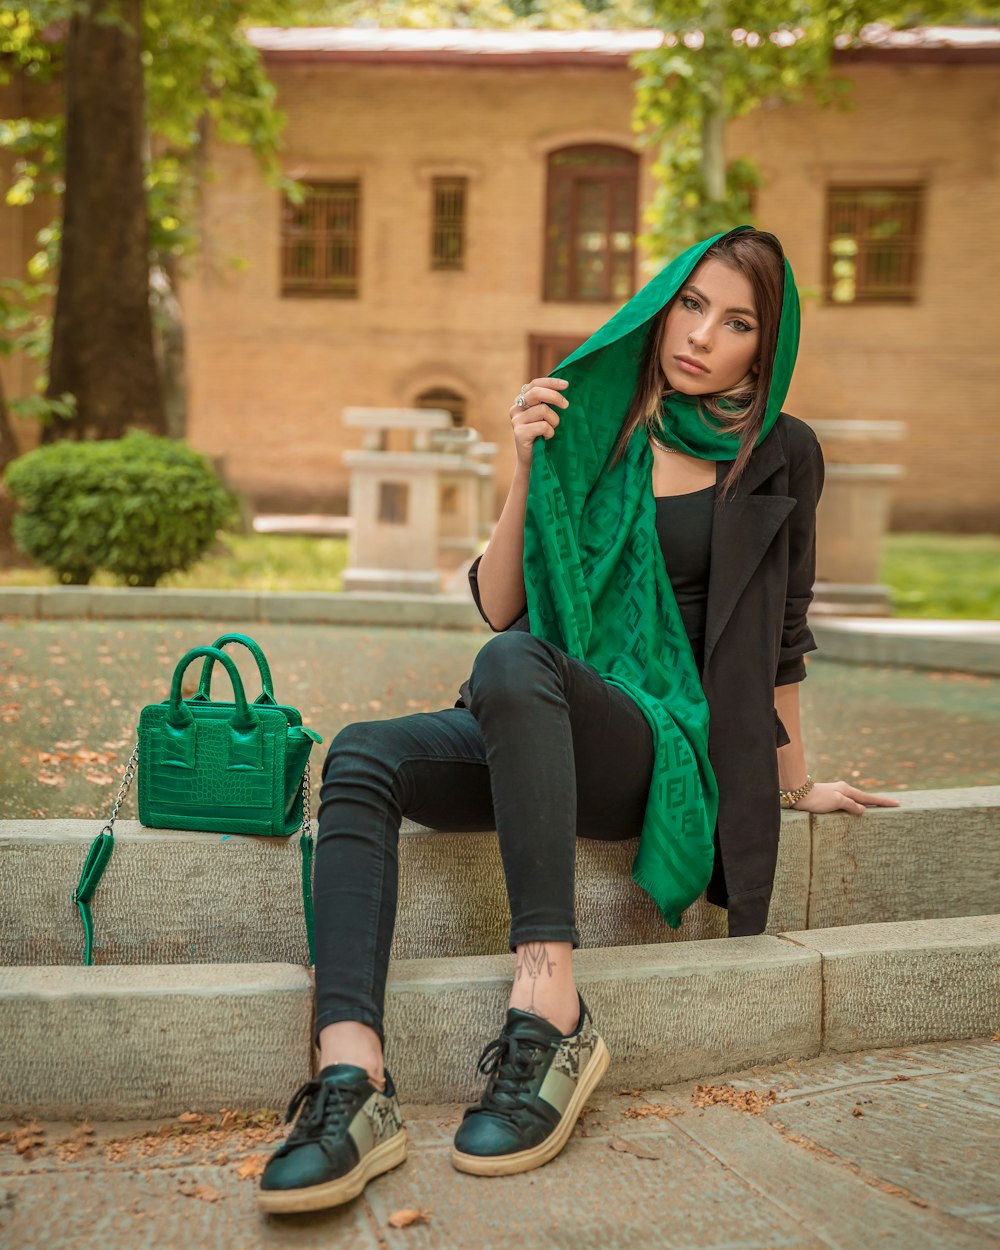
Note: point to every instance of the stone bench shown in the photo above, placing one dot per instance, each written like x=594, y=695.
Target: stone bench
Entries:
x=170, y=897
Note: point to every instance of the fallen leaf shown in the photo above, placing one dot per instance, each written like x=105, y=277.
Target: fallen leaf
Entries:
x=632, y=1148
x=253, y=1166
x=407, y=1216
x=29, y=1138
x=207, y=1193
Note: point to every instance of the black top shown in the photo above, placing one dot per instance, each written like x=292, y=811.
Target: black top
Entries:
x=684, y=528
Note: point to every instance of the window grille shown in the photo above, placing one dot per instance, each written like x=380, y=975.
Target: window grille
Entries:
x=872, y=243
x=319, y=241
x=448, y=223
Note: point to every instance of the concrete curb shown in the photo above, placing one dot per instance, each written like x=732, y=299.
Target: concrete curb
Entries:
x=957, y=646
x=172, y=897
x=273, y=607
x=156, y=1041
x=965, y=646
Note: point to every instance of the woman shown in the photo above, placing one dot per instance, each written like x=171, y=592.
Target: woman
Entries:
x=659, y=535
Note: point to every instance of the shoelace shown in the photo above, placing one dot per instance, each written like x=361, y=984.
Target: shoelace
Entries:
x=509, y=1060
x=329, y=1107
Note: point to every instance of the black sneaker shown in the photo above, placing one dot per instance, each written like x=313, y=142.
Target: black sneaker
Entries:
x=539, y=1080
x=347, y=1132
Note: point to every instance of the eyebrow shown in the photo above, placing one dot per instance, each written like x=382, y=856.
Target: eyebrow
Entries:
x=689, y=286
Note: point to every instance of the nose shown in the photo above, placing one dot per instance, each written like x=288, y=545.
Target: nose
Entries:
x=700, y=336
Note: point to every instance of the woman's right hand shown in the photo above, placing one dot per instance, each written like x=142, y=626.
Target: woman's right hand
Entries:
x=536, y=419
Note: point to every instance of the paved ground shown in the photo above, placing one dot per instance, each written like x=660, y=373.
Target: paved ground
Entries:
x=896, y=1149
x=71, y=691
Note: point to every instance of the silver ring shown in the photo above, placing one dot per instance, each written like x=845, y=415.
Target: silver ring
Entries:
x=521, y=402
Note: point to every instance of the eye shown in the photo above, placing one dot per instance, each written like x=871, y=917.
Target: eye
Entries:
x=689, y=299
x=738, y=322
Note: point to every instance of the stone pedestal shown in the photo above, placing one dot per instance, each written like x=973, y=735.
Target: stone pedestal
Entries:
x=852, y=518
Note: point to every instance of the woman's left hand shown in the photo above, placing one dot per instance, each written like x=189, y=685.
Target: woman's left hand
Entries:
x=834, y=796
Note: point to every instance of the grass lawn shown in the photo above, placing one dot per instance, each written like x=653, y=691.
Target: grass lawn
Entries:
x=931, y=575
x=943, y=575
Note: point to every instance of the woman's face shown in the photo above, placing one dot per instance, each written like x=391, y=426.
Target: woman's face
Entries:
x=712, y=321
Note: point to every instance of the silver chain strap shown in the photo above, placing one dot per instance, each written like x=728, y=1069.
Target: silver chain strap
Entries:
x=306, y=803
x=127, y=779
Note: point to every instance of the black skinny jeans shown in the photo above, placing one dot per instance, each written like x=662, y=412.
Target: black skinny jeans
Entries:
x=546, y=751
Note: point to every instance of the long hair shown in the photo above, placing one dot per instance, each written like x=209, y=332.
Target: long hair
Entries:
x=759, y=256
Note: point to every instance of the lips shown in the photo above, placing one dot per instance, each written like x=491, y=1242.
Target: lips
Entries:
x=689, y=360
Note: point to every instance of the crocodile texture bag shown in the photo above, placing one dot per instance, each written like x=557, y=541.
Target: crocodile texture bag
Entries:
x=215, y=767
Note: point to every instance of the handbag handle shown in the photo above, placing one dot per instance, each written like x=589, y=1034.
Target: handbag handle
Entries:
x=266, y=696
x=179, y=714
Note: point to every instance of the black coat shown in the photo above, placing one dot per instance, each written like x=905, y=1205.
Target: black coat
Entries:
x=763, y=564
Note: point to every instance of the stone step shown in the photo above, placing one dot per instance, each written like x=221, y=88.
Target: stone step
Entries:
x=125, y=1042
x=171, y=897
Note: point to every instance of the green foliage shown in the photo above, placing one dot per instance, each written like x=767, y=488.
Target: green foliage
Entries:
x=139, y=507
x=721, y=59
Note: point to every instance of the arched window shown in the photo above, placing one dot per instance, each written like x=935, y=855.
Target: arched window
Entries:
x=590, y=224
x=442, y=397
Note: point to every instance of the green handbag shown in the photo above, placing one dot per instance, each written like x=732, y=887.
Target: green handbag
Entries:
x=233, y=767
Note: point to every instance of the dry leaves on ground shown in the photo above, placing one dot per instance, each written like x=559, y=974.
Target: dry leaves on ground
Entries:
x=407, y=1216
x=661, y=1113
x=625, y=1146
x=741, y=1099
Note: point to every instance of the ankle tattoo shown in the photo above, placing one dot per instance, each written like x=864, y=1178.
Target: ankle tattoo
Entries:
x=533, y=963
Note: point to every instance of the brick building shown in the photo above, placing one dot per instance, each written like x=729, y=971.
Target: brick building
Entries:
x=473, y=201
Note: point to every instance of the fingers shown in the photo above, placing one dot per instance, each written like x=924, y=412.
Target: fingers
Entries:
x=862, y=796
x=538, y=391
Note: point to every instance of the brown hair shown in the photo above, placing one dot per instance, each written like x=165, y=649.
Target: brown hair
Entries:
x=759, y=256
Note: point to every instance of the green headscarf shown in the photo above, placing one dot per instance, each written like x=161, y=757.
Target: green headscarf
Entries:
x=595, y=579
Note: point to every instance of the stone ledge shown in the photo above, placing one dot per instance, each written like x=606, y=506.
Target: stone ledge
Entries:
x=123, y=1043
x=431, y=611
x=174, y=897
x=927, y=980
x=956, y=646
x=156, y=1041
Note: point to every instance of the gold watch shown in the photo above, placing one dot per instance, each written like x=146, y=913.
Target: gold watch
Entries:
x=790, y=797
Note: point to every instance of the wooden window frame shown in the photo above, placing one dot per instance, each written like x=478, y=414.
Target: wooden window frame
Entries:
x=448, y=230
x=321, y=284
x=865, y=293
x=603, y=173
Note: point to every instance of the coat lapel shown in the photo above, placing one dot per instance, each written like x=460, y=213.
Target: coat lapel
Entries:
x=741, y=533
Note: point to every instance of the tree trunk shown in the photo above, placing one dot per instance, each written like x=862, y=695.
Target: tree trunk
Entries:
x=102, y=334
x=713, y=122
x=170, y=347
x=9, y=555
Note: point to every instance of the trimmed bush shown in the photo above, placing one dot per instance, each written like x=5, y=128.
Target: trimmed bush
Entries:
x=139, y=507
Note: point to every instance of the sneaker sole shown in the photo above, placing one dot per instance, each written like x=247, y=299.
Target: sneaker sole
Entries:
x=525, y=1160
x=382, y=1158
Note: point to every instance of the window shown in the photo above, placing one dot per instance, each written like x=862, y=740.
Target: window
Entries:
x=872, y=244
x=448, y=223
x=319, y=241
x=546, y=350
x=590, y=224
x=441, y=397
